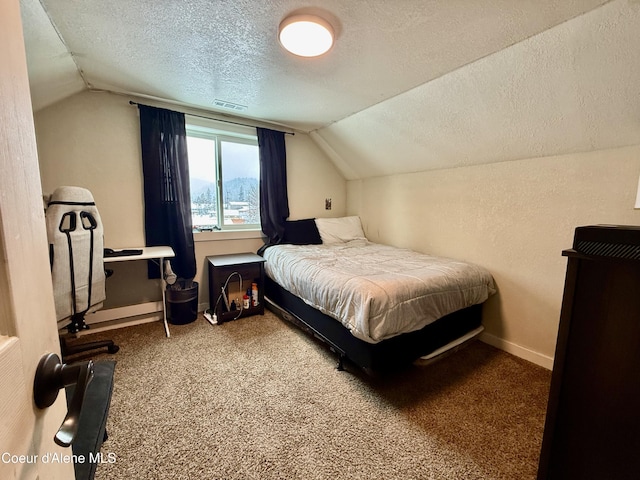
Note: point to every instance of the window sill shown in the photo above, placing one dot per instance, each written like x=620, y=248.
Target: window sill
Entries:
x=227, y=235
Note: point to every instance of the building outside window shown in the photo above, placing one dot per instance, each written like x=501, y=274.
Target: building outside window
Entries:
x=224, y=173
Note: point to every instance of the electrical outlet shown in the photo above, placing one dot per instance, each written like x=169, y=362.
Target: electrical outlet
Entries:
x=327, y=204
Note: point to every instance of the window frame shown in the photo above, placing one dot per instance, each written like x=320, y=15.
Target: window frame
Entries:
x=220, y=132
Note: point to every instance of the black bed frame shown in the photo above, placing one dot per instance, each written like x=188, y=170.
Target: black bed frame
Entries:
x=384, y=356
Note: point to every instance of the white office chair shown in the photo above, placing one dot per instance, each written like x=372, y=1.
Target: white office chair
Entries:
x=76, y=249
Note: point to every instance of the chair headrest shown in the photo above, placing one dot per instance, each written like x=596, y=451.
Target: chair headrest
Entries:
x=71, y=195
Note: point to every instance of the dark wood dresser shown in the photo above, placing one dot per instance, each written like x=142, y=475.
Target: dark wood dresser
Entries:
x=225, y=272
x=592, y=428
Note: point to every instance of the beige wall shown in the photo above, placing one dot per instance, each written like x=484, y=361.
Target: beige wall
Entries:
x=515, y=218
x=92, y=140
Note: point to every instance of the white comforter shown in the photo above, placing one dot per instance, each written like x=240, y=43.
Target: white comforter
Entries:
x=377, y=291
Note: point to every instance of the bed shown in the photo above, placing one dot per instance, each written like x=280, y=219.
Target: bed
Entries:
x=378, y=306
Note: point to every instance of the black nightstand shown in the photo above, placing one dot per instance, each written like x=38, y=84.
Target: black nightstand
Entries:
x=227, y=269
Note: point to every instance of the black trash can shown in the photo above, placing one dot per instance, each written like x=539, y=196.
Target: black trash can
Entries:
x=182, y=302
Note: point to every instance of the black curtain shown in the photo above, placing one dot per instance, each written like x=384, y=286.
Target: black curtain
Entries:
x=167, y=198
x=274, y=203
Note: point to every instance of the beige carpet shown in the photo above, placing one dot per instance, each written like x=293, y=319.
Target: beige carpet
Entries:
x=258, y=399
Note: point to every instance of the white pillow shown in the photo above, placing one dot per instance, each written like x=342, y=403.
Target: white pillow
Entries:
x=340, y=230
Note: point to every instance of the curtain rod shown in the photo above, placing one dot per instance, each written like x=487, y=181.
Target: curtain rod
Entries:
x=131, y=102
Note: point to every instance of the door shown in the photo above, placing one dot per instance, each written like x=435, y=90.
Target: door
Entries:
x=27, y=315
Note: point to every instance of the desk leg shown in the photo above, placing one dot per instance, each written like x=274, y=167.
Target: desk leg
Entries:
x=163, y=286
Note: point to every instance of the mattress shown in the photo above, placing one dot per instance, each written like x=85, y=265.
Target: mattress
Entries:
x=377, y=291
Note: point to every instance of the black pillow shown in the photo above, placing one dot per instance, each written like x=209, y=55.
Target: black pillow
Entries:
x=301, y=232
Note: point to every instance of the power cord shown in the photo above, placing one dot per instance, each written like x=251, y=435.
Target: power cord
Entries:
x=210, y=314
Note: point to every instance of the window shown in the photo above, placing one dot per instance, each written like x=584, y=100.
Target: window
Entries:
x=224, y=173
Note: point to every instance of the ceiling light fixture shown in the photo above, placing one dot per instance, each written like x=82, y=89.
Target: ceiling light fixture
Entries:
x=306, y=35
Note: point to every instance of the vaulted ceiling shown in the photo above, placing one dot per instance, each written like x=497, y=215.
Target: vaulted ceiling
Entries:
x=410, y=85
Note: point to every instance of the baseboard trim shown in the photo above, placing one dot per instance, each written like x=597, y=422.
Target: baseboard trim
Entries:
x=108, y=319
x=517, y=350
x=121, y=323
x=148, y=308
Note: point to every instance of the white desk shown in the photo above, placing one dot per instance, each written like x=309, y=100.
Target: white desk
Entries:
x=150, y=253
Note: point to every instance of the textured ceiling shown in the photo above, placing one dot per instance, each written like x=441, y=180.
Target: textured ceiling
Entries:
x=410, y=85
x=573, y=88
